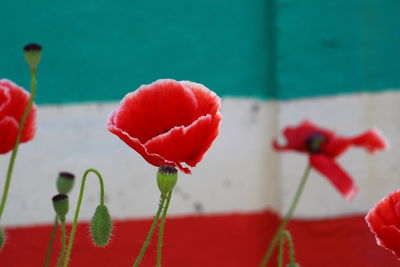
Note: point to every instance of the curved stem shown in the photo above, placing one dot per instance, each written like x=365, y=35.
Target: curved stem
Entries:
x=63, y=242
x=17, y=141
x=280, y=254
x=288, y=216
x=285, y=234
x=150, y=234
x=161, y=231
x=51, y=242
x=78, y=207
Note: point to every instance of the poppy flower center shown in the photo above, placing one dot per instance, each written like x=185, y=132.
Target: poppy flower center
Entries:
x=314, y=143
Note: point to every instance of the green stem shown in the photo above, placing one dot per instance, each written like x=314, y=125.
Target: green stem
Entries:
x=280, y=254
x=150, y=234
x=78, y=207
x=287, y=218
x=51, y=242
x=63, y=242
x=17, y=141
x=161, y=231
x=285, y=234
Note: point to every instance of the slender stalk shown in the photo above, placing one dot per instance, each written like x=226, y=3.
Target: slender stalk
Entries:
x=287, y=217
x=150, y=234
x=63, y=242
x=280, y=254
x=78, y=207
x=161, y=231
x=285, y=234
x=17, y=141
x=51, y=242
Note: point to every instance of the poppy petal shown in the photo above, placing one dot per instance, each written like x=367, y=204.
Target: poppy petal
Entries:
x=9, y=131
x=208, y=101
x=335, y=174
x=134, y=143
x=154, y=109
x=384, y=221
x=372, y=140
x=186, y=144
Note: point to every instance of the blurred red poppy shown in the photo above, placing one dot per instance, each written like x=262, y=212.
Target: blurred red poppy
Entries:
x=168, y=122
x=13, y=101
x=384, y=221
x=323, y=146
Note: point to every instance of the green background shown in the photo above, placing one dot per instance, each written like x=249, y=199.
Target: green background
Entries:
x=99, y=50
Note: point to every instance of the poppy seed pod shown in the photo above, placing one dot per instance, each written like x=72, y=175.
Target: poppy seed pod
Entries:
x=2, y=237
x=60, y=204
x=65, y=182
x=101, y=226
x=166, y=179
x=33, y=53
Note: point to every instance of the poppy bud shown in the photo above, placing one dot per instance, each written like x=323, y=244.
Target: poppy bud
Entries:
x=33, y=53
x=65, y=182
x=166, y=179
x=293, y=265
x=101, y=226
x=60, y=204
x=2, y=237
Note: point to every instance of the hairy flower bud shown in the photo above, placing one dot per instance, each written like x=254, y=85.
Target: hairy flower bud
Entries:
x=101, y=226
x=166, y=179
x=293, y=265
x=61, y=205
x=33, y=53
x=65, y=182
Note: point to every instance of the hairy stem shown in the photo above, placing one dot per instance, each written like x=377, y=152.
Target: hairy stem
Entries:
x=161, y=231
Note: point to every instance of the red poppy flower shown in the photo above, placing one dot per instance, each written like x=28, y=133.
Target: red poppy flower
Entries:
x=168, y=122
x=384, y=221
x=324, y=146
x=13, y=101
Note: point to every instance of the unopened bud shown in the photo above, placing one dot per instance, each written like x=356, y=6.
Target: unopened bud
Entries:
x=33, y=53
x=101, y=226
x=60, y=204
x=65, y=182
x=293, y=265
x=166, y=179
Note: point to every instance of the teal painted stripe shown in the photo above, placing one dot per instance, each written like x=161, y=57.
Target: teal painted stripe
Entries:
x=95, y=51
x=341, y=46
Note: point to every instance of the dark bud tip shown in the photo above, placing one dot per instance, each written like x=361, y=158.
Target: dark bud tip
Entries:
x=65, y=182
x=315, y=142
x=32, y=47
x=167, y=177
x=61, y=205
x=59, y=197
x=33, y=53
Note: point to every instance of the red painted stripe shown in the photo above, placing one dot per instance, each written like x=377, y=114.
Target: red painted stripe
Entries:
x=222, y=240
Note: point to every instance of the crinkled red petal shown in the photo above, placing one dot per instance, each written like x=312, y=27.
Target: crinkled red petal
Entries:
x=208, y=101
x=335, y=174
x=385, y=212
x=154, y=109
x=384, y=221
x=371, y=140
x=8, y=133
x=297, y=136
x=186, y=144
x=16, y=99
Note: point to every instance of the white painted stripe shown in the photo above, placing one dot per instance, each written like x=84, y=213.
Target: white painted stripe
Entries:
x=240, y=173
